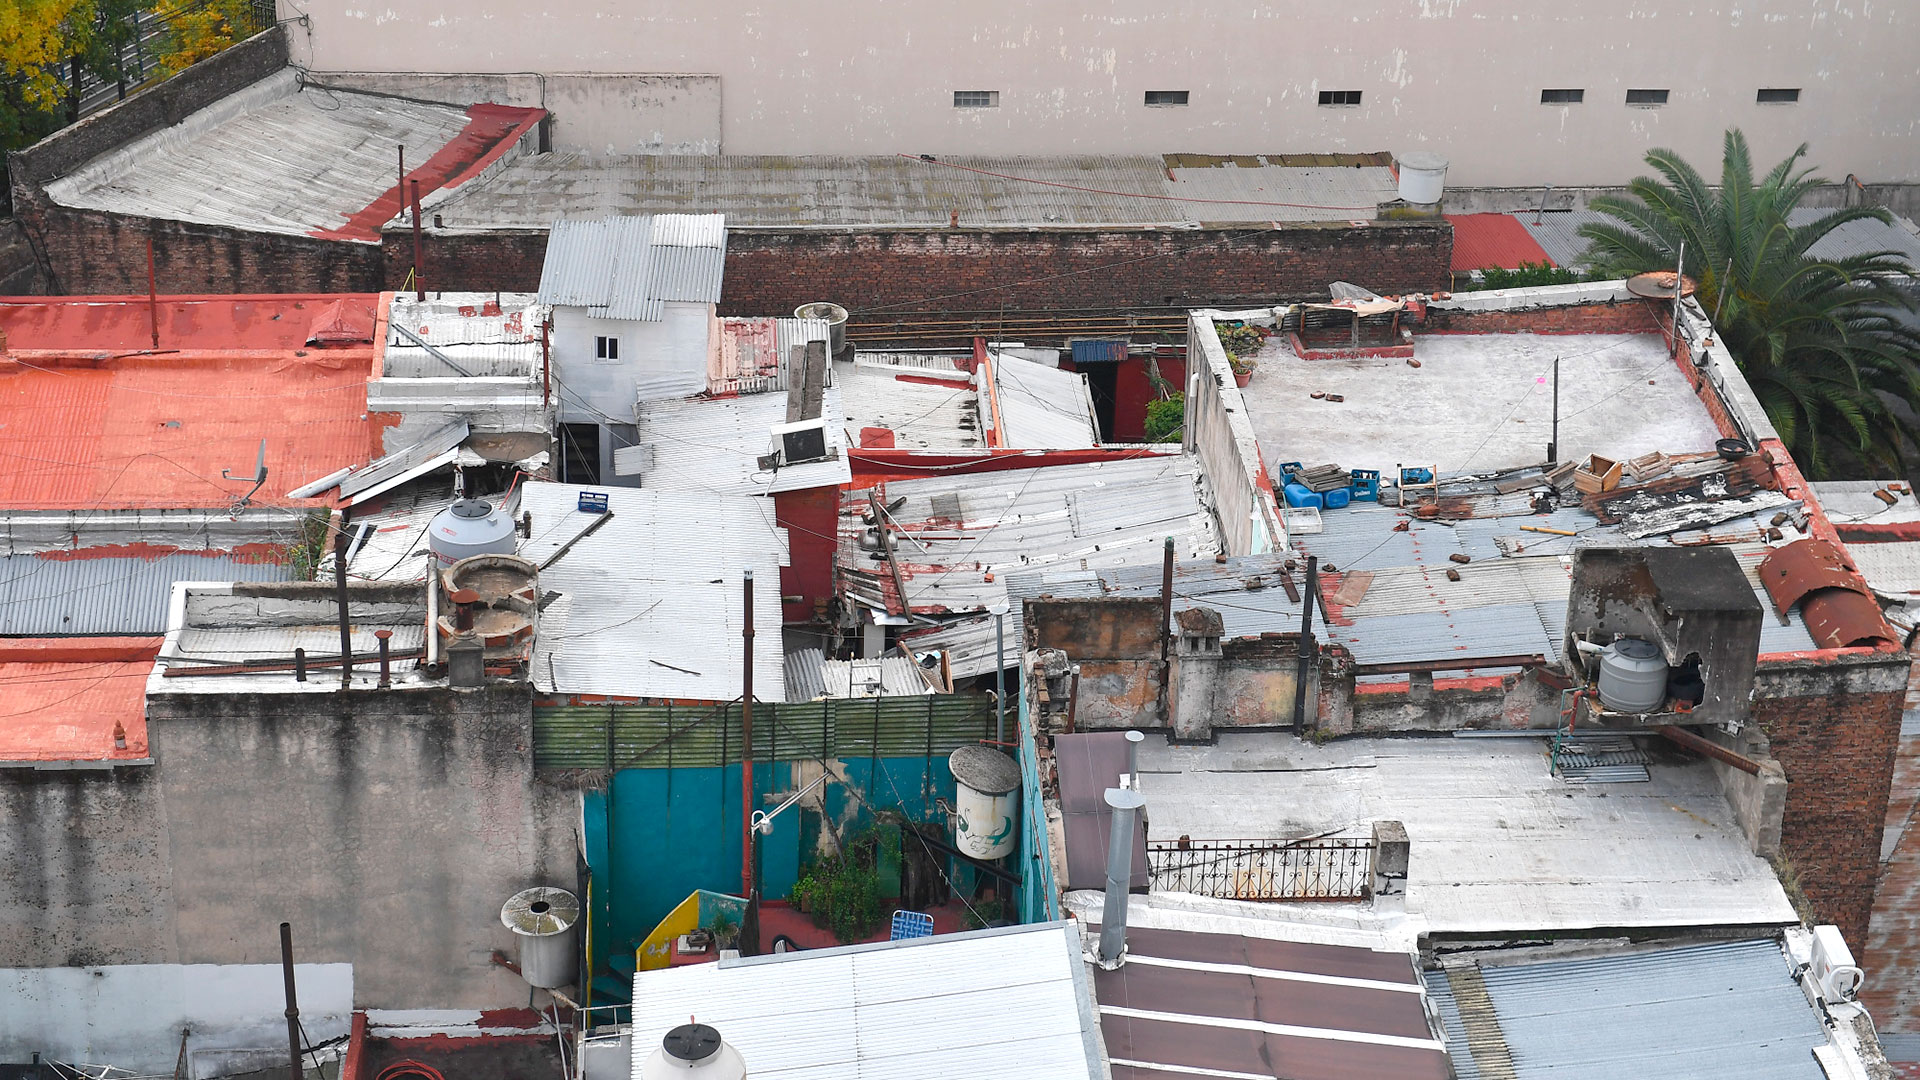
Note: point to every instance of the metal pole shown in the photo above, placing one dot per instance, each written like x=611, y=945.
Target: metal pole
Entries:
x=1166, y=599
x=749, y=843
x=293, y=1006
x=1679, y=281
x=153, y=295
x=1553, y=448
x=340, y=590
x=1307, y=652
x=746, y=742
x=419, y=271
x=401, y=187
x=546, y=362
x=1000, y=677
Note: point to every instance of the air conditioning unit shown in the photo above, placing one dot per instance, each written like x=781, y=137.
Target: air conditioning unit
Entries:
x=1834, y=975
x=801, y=441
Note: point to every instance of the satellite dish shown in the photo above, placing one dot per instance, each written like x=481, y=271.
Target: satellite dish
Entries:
x=259, y=477
x=1660, y=285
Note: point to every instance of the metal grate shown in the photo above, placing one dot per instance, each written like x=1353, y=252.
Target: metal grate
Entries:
x=1319, y=869
x=1600, y=759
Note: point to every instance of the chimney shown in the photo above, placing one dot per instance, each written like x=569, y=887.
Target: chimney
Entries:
x=1124, y=802
x=466, y=662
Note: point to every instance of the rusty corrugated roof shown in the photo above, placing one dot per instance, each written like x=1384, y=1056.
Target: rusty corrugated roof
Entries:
x=61, y=698
x=1492, y=241
x=1834, y=601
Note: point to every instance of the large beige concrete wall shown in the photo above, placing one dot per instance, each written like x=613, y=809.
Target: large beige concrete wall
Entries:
x=1462, y=77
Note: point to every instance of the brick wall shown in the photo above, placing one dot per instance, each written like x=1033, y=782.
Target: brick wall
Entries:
x=1624, y=317
x=1834, y=726
x=773, y=271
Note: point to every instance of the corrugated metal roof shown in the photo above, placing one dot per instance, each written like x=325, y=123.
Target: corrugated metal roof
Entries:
x=667, y=625
x=63, y=595
x=534, y=190
x=1707, y=1012
x=488, y=335
x=810, y=676
x=1492, y=241
x=1043, y=408
x=64, y=698
x=755, y=354
x=926, y=409
x=276, y=157
x=715, y=445
x=628, y=267
x=1006, y=1004
x=432, y=451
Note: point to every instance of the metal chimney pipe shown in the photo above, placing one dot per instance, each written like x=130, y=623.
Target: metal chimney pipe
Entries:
x=1134, y=739
x=386, y=677
x=1123, y=803
x=463, y=601
x=340, y=593
x=299, y=665
x=296, y=1071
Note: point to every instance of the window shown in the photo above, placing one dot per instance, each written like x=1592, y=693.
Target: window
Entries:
x=1339, y=98
x=606, y=348
x=1562, y=97
x=1647, y=97
x=1165, y=98
x=976, y=99
x=1778, y=97
x=580, y=453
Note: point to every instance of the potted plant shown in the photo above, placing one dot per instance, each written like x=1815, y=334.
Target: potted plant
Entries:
x=1241, y=342
x=1242, y=368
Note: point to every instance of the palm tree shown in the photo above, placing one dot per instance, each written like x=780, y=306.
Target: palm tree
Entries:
x=1819, y=339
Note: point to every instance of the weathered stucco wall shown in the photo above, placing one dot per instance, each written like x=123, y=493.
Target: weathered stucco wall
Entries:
x=387, y=828
x=1463, y=79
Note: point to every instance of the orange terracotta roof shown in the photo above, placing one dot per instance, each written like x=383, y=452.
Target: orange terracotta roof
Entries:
x=86, y=422
x=62, y=699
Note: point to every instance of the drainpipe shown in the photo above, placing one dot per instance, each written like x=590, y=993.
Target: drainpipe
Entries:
x=293, y=1007
x=750, y=924
x=1308, y=596
x=340, y=589
x=1123, y=802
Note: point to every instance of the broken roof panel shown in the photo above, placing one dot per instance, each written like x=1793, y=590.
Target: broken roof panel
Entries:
x=1043, y=408
x=629, y=267
x=279, y=157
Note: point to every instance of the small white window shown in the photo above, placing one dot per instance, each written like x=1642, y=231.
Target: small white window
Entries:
x=606, y=348
x=1339, y=98
x=1778, y=97
x=1647, y=99
x=976, y=99
x=1166, y=98
x=1562, y=97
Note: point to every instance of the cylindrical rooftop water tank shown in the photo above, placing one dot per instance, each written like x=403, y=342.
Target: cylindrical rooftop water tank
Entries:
x=836, y=319
x=542, y=920
x=986, y=793
x=470, y=527
x=1423, y=177
x=1633, y=676
x=693, y=1052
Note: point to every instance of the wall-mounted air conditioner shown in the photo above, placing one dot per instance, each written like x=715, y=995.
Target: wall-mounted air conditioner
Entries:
x=801, y=441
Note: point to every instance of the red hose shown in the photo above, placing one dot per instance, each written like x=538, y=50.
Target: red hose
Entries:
x=409, y=1067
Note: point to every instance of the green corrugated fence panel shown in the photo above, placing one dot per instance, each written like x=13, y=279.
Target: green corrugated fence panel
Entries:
x=662, y=736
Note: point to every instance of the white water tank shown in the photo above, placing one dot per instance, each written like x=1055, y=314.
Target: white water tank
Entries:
x=542, y=920
x=470, y=527
x=836, y=319
x=1633, y=676
x=986, y=794
x=693, y=1052
x=1423, y=177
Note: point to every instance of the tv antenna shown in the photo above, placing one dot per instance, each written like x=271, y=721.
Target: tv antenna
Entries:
x=259, y=477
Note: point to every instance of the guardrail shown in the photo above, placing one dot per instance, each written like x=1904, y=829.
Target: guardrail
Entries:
x=1322, y=868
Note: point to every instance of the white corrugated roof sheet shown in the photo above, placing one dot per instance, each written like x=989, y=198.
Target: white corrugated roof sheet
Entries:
x=1043, y=408
x=925, y=407
x=1005, y=1004
x=628, y=267
x=810, y=676
x=714, y=446
x=651, y=603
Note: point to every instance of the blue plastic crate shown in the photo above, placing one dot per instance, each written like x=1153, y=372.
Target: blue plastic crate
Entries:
x=910, y=924
x=593, y=502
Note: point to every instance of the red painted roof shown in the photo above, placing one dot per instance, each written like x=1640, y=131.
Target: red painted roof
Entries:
x=1481, y=241
x=91, y=420
x=62, y=698
x=491, y=131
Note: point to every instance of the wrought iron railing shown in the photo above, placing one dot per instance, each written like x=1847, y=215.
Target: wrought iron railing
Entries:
x=1321, y=868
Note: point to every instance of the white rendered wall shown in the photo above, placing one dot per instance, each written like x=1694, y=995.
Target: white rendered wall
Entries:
x=665, y=359
x=1461, y=77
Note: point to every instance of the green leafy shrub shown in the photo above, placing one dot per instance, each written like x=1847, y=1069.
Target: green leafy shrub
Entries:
x=842, y=892
x=1166, y=420
x=1528, y=275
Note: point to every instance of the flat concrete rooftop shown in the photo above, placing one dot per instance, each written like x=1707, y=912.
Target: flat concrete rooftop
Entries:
x=1498, y=844
x=1476, y=402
